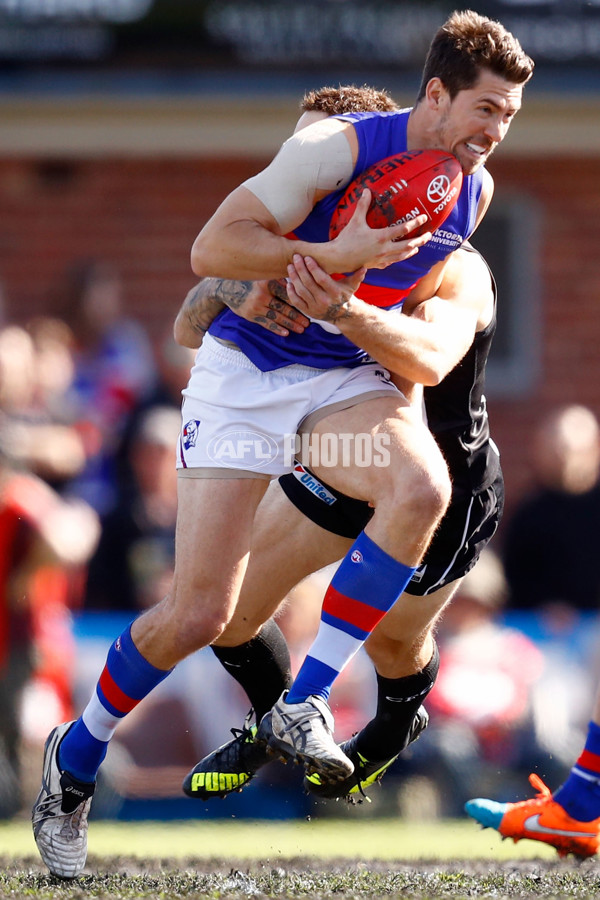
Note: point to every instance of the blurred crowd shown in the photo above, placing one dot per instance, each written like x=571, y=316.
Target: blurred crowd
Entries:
x=89, y=416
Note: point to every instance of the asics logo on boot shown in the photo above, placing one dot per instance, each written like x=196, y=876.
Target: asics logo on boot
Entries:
x=289, y=724
x=532, y=823
x=73, y=790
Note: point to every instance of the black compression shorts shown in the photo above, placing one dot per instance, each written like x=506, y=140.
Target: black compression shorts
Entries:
x=470, y=522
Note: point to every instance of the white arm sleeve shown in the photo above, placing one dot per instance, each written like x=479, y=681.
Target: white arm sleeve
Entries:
x=317, y=157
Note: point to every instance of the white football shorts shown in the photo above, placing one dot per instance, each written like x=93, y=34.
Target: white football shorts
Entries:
x=238, y=421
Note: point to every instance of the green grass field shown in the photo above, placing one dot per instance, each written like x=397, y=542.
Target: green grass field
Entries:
x=324, y=859
x=383, y=839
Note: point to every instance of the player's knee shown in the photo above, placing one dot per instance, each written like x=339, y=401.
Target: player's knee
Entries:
x=417, y=482
x=201, y=616
x=237, y=633
x=435, y=486
x=425, y=496
x=196, y=632
x=439, y=491
x=396, y=654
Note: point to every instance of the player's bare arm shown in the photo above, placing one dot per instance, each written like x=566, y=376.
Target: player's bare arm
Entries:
x=422, y=345
x=265, y=303
x=262, y=302
x=198, y=310
x=246, y=237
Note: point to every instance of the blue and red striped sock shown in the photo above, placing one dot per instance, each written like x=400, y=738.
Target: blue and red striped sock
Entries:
x=580, y=794
x=366, y=585
x=125, y=680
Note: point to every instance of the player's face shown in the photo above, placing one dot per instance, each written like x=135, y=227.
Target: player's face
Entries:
x=473, y=124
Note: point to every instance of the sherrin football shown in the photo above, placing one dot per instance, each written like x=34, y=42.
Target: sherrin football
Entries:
x=403, y=187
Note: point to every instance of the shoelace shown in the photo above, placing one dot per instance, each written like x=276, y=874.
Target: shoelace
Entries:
x=360, y=772
x=245, y=731
x=243, y=735
x=72, y=824
x=50, y=801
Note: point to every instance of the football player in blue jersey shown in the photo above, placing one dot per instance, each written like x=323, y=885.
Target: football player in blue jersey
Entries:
x=402, y=646
x=277, y=223
x=246, y=397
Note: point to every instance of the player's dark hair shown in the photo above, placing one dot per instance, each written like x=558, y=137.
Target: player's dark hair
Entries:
x=347, y=98
x=467, y=43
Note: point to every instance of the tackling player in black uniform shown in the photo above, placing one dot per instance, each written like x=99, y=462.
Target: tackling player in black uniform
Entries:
x=457, y=416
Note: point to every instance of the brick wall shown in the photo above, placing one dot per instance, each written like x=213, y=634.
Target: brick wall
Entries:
x=567, y=191
x=143, y=214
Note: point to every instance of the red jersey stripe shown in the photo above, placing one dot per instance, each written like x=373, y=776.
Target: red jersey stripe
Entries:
x=377, y=295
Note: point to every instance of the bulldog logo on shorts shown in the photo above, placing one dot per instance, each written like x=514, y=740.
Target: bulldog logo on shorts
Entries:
x=190, y=433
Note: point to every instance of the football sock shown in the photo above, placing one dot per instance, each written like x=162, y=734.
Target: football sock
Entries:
x=580, y=794
x=262, y=666
x=398, y=699
x=366, y=585
x=125, y=680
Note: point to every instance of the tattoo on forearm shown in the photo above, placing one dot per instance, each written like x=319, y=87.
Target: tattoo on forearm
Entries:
x=198, y=305
x=209, y=297
x=232, y=293
x=337, y=311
